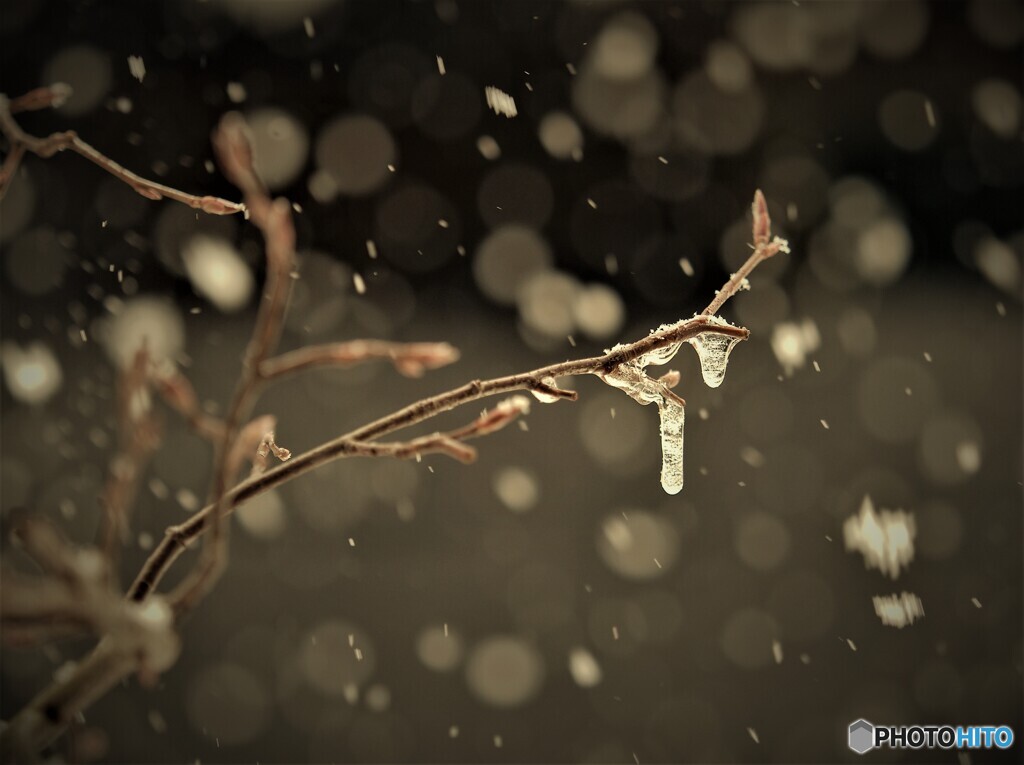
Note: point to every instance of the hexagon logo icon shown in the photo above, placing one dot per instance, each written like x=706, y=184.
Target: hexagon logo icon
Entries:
x=862, y=736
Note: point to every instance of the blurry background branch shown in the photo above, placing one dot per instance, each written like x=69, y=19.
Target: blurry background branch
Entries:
x=54, y=95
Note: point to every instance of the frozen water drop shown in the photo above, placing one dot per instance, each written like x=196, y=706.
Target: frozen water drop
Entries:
x=713, y=350
x=546, y=398
x=672, y=417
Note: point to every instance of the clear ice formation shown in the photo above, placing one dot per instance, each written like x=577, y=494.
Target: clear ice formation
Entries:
x=713, y=350
x=546, y=398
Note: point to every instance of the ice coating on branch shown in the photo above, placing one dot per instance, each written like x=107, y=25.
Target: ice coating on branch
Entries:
x=672, y=417
x=713, y=351
x=546, y=398
x=634, y=382
x=631, y=377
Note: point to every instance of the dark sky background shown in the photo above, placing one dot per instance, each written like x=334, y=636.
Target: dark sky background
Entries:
x=591, y=617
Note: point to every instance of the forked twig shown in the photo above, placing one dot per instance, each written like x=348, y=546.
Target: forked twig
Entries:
x=55, y=95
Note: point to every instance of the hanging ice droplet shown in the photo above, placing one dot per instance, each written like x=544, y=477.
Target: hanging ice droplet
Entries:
x=546, y=398
x=672, y=417
x=713, y=350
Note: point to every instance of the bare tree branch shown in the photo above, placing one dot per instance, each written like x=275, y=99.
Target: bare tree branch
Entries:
x=123, y=650
x=138, y=438
x=20, y=142
x=177, y=392
x=353, y=444
x=410, y=359
x=273, y=218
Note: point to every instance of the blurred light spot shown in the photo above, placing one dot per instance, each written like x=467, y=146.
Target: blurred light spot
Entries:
x=894, y=29
x=506, y=259
x=355, y=152
x=152, y=320
x=407, y=230
x=761, y=541
x=263, y=516
x=269, y=18
x=727, y=122
x=280, y=146
x=87, y=70
x=319, y=299
x=798, y=180
x=229, y=703
x=747, y=638
x=36, y=261
x=218, y=273
x=999, y=263
x=997, y=23
x=560, y=136
x=855, y=202
x=885, y=538
x=599, y=311
x=898, y=611
x=904, y=119
x=615, y=442
x=793, y=341
x=883, y=251
x=950, y=449
x=776, y=35
x=622, y=109
x=516, y=488
x=583, y=667
x=378, y=697
x=625, y=48
x=336, y=655
x=504, y=671
x=17, y=206
x=236, y=92
x=382, y=81
x=637, y=544
x=394, y=480
x=488, y=147
x=728, y=67
x=439, y=648
x=856, y=330
x=546, y=300
x=32, y=374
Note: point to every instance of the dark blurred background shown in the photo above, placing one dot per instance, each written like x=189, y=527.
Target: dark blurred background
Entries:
x=549, y=603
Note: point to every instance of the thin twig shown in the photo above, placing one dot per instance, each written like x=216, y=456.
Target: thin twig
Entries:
x=763, y=249
x=177, y=392
x=20, y=141
x=410, y=359
x=274, y=220
x=138, y=439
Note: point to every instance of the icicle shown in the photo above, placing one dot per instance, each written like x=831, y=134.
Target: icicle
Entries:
x=672, y=417
x=713, y=350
